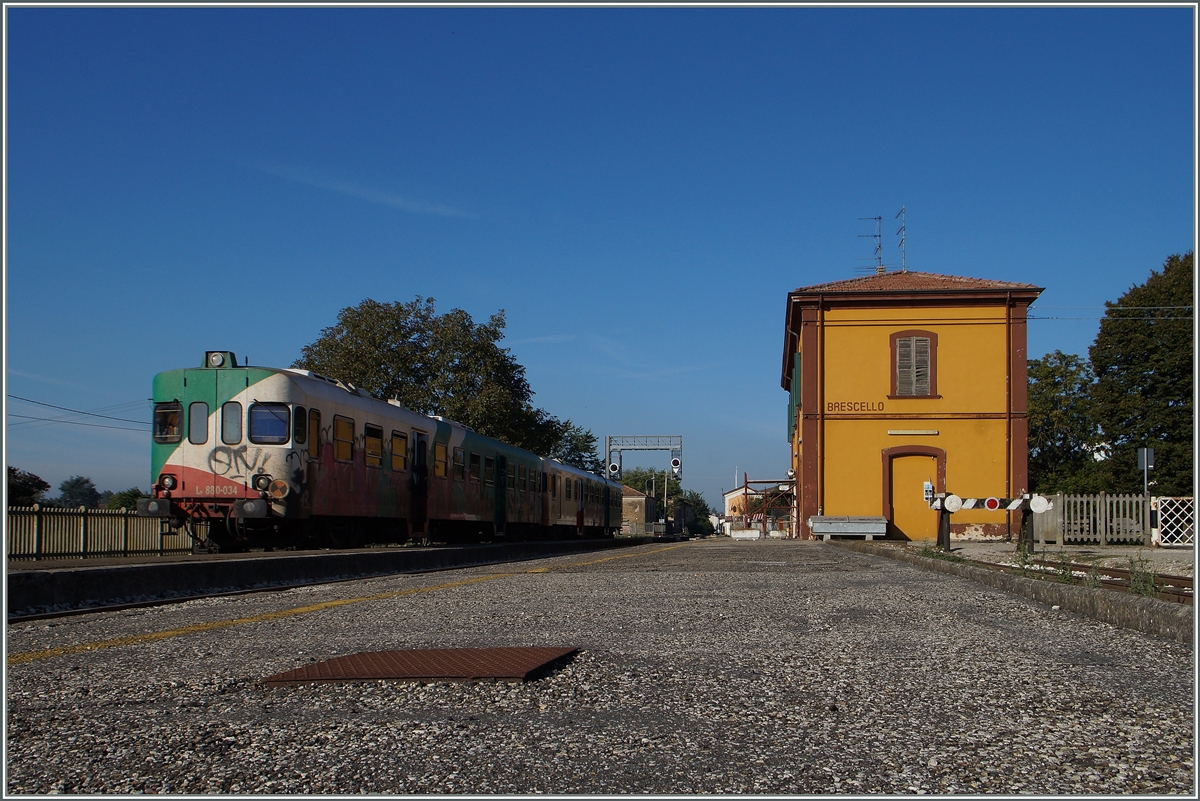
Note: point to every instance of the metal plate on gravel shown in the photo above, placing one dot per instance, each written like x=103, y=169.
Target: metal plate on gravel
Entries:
x=451, y=664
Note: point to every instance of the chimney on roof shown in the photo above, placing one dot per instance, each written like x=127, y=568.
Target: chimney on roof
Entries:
x=880, y=270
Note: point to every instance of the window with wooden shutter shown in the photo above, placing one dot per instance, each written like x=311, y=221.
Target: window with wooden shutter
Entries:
x=914, y=367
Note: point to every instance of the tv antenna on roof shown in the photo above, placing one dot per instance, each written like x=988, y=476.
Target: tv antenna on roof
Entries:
x=902, y=214
x=878, y=237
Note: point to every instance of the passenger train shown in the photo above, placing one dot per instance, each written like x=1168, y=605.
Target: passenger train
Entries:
x=280, y=458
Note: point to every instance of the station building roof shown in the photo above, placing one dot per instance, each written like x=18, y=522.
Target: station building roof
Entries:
x=909, y=288
x=912, y=281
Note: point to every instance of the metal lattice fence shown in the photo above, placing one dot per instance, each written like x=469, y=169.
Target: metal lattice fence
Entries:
x=1176, y=521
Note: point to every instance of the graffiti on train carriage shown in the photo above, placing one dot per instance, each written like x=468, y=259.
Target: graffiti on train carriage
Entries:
x=224, y=458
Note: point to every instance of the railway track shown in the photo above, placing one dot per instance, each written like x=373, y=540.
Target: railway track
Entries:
x=1177, y=589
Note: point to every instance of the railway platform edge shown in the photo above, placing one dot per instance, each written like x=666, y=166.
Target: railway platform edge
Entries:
x=1160, y=618
x=50, y=592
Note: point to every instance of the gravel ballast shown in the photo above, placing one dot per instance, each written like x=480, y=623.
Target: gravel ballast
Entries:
x=713, y=666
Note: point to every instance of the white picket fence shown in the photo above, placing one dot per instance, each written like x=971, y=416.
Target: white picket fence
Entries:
x=37, y=532
x=1117, y=520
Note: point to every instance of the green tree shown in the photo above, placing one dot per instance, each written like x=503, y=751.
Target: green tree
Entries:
x=642, y=479
x=701, y=525
x=577, y=447
x=437, y=364
x=78, y=491
x=125, y=499
x=1142, y=358
x=25, y=489
x=1063, y=435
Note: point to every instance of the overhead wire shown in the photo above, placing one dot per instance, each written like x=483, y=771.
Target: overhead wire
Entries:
x=28, y=422
x=1106, y=317
x=78, y=411
x=79, y=423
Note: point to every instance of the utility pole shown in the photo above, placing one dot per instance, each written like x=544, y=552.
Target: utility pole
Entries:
x=666, y=484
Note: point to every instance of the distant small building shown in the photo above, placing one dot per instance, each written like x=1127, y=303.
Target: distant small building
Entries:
x=638, y=512
x=736, y=500
x=684, y=517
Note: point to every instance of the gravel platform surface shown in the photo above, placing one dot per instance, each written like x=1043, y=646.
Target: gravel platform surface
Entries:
x=712, y=666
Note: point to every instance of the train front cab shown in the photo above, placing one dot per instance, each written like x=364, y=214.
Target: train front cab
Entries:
x=219, y=456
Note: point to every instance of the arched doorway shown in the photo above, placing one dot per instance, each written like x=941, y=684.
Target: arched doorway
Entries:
x=906, y=468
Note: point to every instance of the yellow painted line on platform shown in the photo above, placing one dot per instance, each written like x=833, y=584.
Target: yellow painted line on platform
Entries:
x=135, y=639
x=625, y=556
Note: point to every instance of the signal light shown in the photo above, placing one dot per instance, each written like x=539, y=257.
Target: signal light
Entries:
x=991, y=504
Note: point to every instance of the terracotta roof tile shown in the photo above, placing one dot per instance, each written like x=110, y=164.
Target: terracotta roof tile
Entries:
x=628, y=491
x=912, y=282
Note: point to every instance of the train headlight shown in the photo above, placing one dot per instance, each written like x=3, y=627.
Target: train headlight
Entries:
x=261, y=482
x=167, y=481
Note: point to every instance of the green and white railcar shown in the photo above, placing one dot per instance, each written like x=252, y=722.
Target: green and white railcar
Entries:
x=287, y=458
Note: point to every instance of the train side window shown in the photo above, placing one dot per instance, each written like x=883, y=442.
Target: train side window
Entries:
x=460, y=464
x=299, y=426
x=373, y=445
x=231, y=423
x=399, y=451
x=343, y=438
x=553, y=485
x=439, y=459
x=166, y=422
x=474, y=466
x=489, y=471
x=198, y=423
x=512, y=476
x=269, y=423
x=314, y=433
x=522, y=477
x=567, y=489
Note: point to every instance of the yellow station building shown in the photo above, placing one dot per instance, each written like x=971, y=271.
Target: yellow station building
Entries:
x=899, y=378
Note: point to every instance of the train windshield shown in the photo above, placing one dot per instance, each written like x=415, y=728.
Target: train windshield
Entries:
x=269, y=423
x=166, y=422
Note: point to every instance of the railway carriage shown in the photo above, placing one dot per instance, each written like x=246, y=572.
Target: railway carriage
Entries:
x=285, y=457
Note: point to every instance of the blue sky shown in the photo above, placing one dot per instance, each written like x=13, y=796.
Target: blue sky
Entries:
x=638, y=188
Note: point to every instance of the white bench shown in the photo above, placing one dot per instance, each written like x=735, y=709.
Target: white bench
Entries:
x=842, y=526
